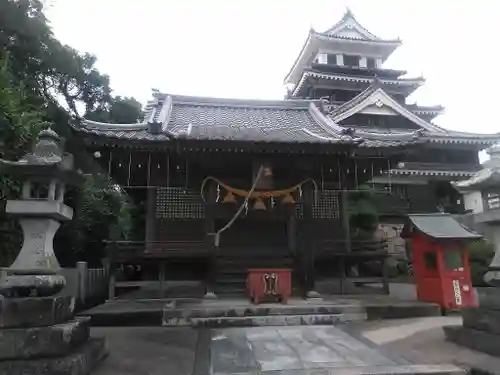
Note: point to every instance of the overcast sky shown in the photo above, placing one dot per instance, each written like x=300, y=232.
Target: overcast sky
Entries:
x=244, y=48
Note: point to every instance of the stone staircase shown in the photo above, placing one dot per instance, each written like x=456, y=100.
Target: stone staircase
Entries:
x=232, y=265
x=238, y=313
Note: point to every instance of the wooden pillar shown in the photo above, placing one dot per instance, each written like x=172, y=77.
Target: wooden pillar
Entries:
x=309, y=243
x=344, y=202
x=151, y=232
x=112, y=254
x=161, y=278
x=345, y=219
x=210, y=241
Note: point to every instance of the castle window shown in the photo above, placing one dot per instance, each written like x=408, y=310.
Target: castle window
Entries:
x=331, y=59
x=351, y=60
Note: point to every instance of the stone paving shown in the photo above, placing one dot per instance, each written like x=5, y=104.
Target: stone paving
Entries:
x=318, y=350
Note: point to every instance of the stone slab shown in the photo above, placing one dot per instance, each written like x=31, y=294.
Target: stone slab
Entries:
x=80, y=362
x=36, y=311
x=482, y=319
x=375, y=370
x=305, y=350
x=271, y=320
x=489, y=298
x=153, y=351
x=474, y=339
x=51, y=341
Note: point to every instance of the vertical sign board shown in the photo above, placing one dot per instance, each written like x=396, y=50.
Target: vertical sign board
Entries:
x=456, y=290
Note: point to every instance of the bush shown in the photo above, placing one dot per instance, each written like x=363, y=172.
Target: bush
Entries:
x=480, y=256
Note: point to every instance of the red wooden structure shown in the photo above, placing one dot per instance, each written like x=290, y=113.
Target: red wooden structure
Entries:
x=440, y=261
x=265, y=284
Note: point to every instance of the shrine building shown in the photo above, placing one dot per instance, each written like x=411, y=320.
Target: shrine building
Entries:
x=231, y=184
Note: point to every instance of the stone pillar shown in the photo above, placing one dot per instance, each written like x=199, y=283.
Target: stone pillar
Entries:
x=340, y=59
x=480, y=329
x=38, y=331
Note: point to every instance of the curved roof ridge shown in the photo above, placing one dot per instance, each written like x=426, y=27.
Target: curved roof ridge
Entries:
x=318, y=34
x=418, y=79
x=381, y=98
x=460, y=134
x=376, y=84
x=348, y=15
x=325, y=122
x=89, y=124
x=403, y=136
x=342, y=139
x=241, y=102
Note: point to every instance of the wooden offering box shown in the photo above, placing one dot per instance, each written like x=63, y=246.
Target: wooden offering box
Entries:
x=269, y=284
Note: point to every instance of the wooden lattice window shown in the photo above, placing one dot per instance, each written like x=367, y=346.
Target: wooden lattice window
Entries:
x=327, y=205
x=178, y=203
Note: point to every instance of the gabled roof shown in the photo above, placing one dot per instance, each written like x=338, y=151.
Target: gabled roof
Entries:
x=349, y=27
x=170, y=117
x=441, y=226
x=375, y=95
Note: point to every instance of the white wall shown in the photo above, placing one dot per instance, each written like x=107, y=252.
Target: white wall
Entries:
x=473, y=201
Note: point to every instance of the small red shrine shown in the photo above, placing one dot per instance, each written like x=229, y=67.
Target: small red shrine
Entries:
x=440, y=260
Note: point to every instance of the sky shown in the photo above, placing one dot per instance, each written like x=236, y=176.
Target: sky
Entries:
x=244, y=48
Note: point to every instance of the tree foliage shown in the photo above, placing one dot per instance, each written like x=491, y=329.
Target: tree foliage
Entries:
x=118, y=111
x=44, y=81
x=363, y=214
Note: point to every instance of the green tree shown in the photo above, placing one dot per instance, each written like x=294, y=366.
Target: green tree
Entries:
x=119, y=111
x=42, y=80
x=363, y=215
x=19, y=124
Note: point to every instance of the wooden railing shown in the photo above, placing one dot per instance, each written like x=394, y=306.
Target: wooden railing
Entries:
x=157, y=249
x=438, y=166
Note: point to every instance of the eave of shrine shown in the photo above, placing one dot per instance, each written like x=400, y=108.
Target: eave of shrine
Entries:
x=236, y=124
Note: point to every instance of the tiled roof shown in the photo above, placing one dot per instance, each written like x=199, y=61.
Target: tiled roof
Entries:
x=171, y=117
x=260, y=121
x=441, y=226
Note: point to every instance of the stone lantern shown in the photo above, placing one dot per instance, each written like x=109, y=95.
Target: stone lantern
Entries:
x=480, y=328
x=38, y=331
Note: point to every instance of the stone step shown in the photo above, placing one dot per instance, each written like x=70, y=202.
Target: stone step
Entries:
x=48, y=341
x=156, y=312
x=474, y=339
x=81, y=361
x=270, y=320
x=218, y=309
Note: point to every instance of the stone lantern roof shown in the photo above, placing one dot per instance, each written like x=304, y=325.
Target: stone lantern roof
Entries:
x=46, y=161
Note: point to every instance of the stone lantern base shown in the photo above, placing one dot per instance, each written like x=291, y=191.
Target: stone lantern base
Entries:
x=40, y=335
x=480, y=329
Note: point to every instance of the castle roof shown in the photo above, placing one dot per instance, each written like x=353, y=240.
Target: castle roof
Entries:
x=346, y=36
